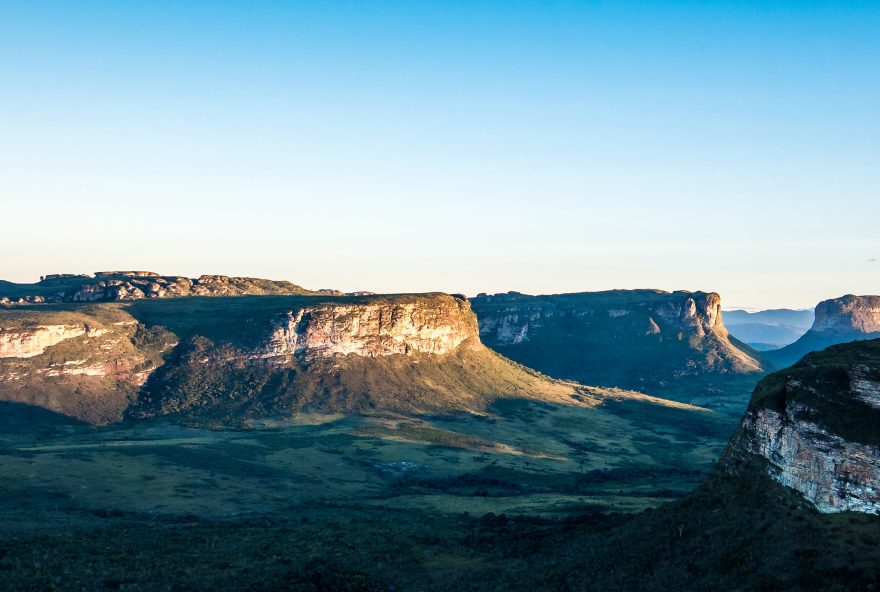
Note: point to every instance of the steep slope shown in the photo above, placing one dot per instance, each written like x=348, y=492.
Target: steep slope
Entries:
x=839, y=320
x=672, y=345
x=768, y=329
x=232, y=358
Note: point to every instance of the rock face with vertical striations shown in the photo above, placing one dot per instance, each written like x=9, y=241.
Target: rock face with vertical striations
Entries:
x=815, y=427
x=374, y=329
x=839, y=320
x=673, y=345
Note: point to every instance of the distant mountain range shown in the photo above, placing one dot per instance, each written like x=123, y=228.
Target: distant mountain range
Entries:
x=768, y=329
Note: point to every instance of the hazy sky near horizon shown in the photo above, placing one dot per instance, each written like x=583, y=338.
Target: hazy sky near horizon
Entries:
x=462, y=146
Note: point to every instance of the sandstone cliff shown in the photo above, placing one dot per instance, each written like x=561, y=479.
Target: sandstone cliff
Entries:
x=87, y=364
x=815, y=427
x=374, y=329
x=839, y=320
x=670, y=344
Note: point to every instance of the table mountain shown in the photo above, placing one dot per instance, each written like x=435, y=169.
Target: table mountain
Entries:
x=839, y=320
x=673, y=345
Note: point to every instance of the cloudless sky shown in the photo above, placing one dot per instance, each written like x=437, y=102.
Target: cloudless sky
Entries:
x=462, y=146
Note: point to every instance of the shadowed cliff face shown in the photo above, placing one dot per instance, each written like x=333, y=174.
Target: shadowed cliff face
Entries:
x=670, y=344
x=839, y=320
x=816, y=428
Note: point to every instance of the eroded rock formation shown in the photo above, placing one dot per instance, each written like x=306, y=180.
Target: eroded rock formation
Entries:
x=816, y=428
x=374, y=329
x=30, y=342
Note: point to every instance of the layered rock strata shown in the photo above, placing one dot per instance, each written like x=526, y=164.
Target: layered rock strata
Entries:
x=839, y=320
x=816, y=428
x=374, y=329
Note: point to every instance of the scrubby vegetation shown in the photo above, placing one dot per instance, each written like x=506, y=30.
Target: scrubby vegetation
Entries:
x=727, y=535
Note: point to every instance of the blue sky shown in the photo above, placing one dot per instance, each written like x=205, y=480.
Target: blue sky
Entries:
x=457, y=146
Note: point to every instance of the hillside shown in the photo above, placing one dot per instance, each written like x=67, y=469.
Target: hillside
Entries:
x=673, y=345
x=839, y=320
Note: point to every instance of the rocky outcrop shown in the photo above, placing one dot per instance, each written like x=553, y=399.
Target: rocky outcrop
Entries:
x=86, y=366
x=669, y=344
x=107, y=286
x=815, y=427
x=848, y=315
x=30, y=342
x=839, y=320
x=374, y=329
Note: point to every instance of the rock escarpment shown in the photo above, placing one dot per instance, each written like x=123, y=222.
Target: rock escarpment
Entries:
x=88, y=365
x=374, y=329
x=670, y=344
x=815, y=427
x=28, y=342
x=839, y=320
x=848, y=314
x=402, y=353
x=108, y=286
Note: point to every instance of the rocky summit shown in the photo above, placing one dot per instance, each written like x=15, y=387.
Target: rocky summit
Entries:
x=815, y=427
x=673, y=345
x=108, y=286
x=839, y=320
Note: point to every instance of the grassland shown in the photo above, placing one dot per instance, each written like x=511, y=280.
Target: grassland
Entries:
x=318, y=507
